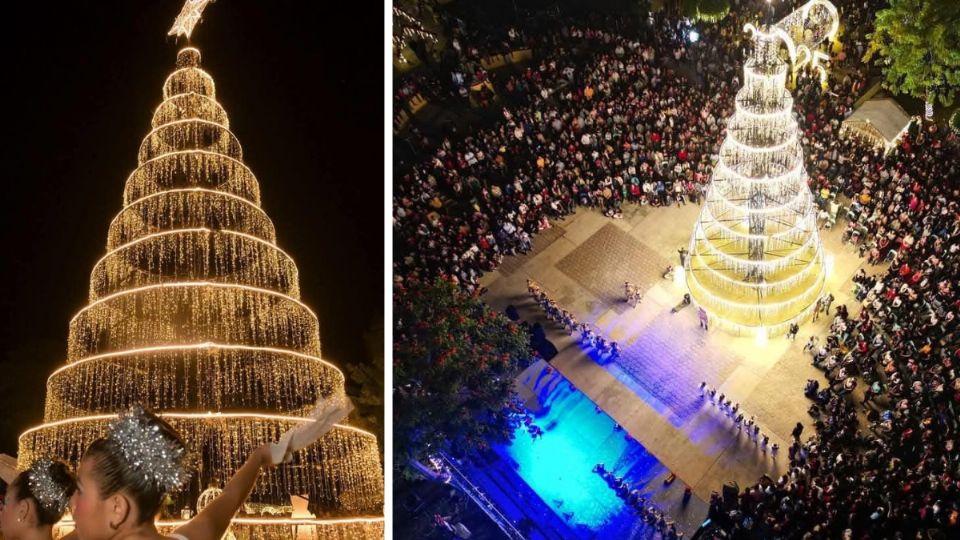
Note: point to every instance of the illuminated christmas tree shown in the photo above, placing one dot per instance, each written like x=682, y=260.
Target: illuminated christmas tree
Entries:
x=195, y=312
x=756, y=262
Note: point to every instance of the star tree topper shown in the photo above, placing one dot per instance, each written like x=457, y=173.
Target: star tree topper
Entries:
x=188, y=18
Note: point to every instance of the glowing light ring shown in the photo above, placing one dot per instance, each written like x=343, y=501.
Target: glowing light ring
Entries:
x=764, y=285
x=193, y=416
x=788, y=206
x=741, y=329
x=741, y=110
x=803, y=297
x=751, y=306
x=777, y=264
x=786, y=178
x=238, y=198
x=184, y=284
x=141, y=165
x=155, y=130
x=194, y=346
x=166, y=102
x=712, y=220
x=104, y=279
x=95, y=294
x=191, y=230
x=757, y=149
x=203, y=74
x=155, y=133
x=193, y=190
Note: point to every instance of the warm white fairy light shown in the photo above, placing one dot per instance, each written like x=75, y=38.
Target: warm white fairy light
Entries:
x=793, y=229
x=194, y=416
x=756, y=260
x=193, y=346
x=245, y=259
x=718, y=246
x=182, y=284
x=195, y=312
x=786, y=282
x=359, y=528
x=188, y=18
x=196, y=165
x=253, y=207
x=191, y=124
x=406, y=28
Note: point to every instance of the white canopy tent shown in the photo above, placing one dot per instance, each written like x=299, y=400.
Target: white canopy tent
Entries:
x=879, y=121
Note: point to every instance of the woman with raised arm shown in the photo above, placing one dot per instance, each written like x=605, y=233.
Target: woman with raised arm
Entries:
x=35, y=501
x=123, y=477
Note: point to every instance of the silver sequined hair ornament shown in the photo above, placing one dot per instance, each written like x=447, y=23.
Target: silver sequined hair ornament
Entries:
x=47, y=492
x=162, y=462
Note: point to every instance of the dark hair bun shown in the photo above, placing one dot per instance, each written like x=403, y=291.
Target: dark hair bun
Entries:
x=142, y=455
x=49, y=484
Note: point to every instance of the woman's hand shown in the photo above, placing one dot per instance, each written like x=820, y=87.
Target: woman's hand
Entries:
x=262, y=456
x=213, y=521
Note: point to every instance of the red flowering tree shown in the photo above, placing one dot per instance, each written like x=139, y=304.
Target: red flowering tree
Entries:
x=454, y=362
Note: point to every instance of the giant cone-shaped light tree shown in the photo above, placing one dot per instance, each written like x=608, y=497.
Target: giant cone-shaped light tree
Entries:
x=756, y=262
x=195, y=312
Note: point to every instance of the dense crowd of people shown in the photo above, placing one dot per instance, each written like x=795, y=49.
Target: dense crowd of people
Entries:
x=617, y=124
x=605, y=119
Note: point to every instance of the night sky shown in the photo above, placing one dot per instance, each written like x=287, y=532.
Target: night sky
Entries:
x=81, y=81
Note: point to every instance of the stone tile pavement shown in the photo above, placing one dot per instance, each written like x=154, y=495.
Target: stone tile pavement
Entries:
x=610, y=257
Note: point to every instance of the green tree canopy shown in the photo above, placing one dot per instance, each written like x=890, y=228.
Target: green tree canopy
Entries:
x=455, y=360
x=365, y=384
x=917, y=42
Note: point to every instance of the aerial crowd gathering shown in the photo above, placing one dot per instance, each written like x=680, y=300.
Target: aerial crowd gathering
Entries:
x=609, y=115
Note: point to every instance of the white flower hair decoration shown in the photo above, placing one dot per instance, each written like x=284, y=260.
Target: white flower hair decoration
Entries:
x=50, y=494
x=162, y=462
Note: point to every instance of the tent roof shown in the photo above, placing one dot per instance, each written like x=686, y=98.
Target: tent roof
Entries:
x=885, y=116
x=8, y=468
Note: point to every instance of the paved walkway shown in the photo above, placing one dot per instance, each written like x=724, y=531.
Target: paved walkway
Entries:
x=652, y=389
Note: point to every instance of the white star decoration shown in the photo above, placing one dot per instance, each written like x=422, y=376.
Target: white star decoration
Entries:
x=188, y=18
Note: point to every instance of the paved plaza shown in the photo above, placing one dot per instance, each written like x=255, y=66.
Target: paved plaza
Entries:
x=651, y=390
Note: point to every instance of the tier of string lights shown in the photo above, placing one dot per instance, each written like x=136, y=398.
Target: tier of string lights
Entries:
x=756, y=262
x=195, y=312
